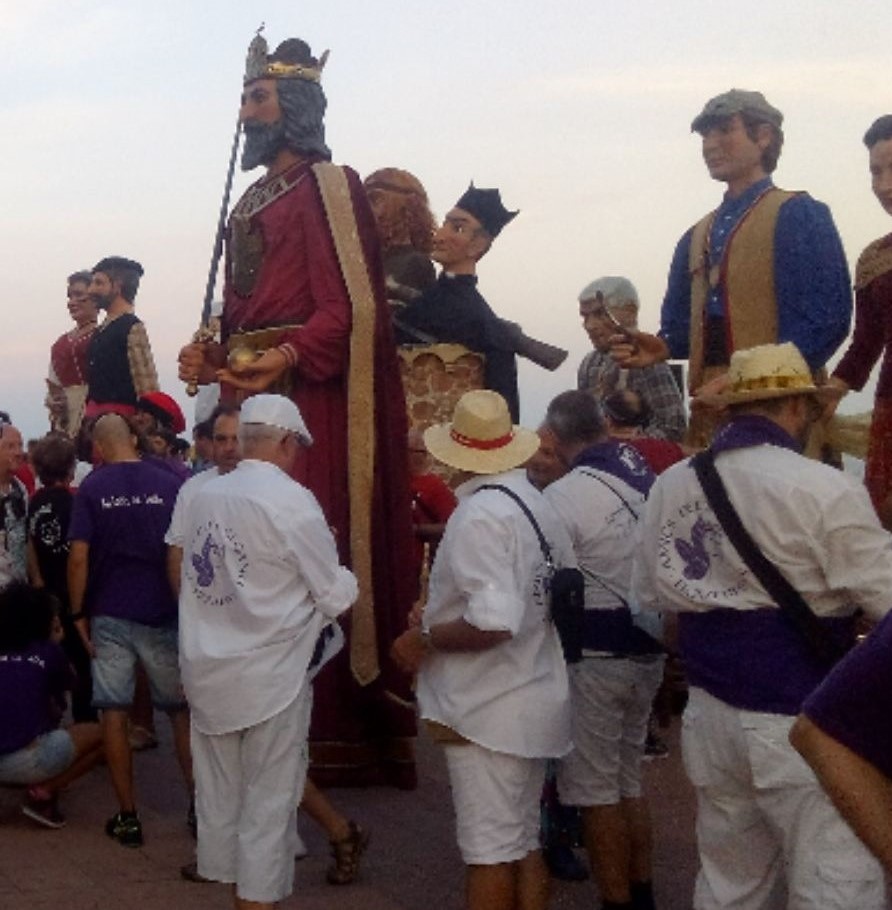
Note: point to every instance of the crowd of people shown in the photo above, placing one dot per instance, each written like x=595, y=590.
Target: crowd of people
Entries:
x=305, y=585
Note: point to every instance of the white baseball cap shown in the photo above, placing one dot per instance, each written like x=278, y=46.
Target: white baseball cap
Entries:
x=276, y=411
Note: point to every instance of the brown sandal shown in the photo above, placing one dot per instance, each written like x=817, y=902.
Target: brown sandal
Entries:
x=347, y=854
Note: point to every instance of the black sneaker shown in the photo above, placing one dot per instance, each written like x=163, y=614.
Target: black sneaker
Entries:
x=125, y=829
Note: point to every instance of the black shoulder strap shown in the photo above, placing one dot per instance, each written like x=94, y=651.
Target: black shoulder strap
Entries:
x=543, y=543
x=790, y=601
x=612, y=489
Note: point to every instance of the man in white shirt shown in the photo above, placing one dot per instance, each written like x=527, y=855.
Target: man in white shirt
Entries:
x=492, y=683
x=768, y=836
x=225, y=456
x=260, y=582
x=611, y=689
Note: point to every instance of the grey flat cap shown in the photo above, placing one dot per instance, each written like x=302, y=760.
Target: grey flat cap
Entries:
x=612, y=289
x=737, y=101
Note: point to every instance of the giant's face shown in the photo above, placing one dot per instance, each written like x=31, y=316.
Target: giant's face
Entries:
x=599, y=327
x=80, y=305
x=261, y=119
x=731, y=155
x=881, y=173
x=103, y=290
x=459, y=239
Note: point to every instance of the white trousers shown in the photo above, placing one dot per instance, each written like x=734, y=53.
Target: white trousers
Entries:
x=247, y=787
x=768, y=836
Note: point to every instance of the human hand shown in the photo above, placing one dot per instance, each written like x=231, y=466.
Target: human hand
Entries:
x=408, y=651
x=83, y=629
x=631, y=349
x=198, y=362
x=258, y=375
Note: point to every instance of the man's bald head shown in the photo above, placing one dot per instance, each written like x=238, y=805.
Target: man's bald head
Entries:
x=114, y=439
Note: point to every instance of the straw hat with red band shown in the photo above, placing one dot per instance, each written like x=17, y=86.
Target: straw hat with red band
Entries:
x=164, y=409
x=767, y=371
x=481, y=438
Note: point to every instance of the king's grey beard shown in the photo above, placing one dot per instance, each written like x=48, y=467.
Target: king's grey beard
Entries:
x=263, y=141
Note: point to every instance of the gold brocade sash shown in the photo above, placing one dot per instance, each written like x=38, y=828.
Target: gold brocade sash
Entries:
x=747, y=273
x=338, y=204
x=875, y=260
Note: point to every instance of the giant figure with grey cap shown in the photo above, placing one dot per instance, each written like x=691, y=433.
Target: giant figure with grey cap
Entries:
x=261, y=591
x=305, y=314
x=768, y=836
x=453, y=310
x=603, y=303
x=766, y=266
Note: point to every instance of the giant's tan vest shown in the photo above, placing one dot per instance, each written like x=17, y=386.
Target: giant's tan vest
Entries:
x=747, y=274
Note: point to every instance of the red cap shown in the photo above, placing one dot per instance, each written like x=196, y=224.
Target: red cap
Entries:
x=163, y=408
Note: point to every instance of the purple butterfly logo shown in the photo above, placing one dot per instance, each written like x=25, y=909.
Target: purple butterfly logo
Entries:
x=694, y=554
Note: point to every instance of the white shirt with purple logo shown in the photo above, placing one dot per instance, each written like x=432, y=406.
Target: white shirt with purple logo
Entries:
x=260, y=580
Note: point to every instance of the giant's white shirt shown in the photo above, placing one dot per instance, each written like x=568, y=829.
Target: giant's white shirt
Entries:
x=490, y=571
x=813, y=522
x=260, y=580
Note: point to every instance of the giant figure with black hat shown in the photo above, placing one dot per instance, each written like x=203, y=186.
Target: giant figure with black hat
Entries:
x=305, y=314
x=453, y=310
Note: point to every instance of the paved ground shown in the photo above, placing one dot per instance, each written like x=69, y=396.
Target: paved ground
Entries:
x=412, y=863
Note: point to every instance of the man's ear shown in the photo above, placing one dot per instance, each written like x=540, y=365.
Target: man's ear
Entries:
x=764, y=136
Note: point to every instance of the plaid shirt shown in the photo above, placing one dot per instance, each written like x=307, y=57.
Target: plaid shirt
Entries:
x=600, y=374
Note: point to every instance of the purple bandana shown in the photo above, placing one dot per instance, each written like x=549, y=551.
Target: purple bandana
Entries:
x=751, y=430
x=619, y=459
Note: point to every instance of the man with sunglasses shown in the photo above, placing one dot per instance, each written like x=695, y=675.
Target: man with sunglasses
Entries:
x=13, y=507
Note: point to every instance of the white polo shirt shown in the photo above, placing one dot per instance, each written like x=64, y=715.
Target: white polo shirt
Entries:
x=260, y=580
x=490, y=571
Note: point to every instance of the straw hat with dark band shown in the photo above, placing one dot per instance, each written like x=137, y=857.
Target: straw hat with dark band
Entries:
x=481, y=438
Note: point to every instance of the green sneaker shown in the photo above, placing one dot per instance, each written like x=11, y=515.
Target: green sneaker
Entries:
x=125, y=829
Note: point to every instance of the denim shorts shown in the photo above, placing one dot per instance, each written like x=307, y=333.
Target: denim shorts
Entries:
x=119, y=643
x=50, y=755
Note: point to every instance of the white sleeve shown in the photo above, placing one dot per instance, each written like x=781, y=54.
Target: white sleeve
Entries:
x=312, y=547
x=856, y=552
x=483, y=559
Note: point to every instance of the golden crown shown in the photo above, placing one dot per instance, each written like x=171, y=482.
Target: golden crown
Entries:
x=259, y=65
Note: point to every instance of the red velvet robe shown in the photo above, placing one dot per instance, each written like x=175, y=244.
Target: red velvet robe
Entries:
x=358, y=735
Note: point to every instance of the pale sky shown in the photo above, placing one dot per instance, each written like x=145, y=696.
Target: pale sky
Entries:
x=118, y=119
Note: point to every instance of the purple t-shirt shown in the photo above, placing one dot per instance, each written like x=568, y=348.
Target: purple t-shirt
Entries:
x=32, y=693
x=851, y=704
x=122, y=511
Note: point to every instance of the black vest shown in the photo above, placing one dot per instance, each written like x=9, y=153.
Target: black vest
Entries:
x=109, y=376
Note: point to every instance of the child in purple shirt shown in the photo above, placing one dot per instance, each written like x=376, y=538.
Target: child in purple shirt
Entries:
x=34, y=677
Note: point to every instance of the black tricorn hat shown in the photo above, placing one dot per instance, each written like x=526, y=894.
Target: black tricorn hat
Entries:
x=486, y=206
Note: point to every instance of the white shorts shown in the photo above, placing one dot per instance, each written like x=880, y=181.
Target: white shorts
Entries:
x=610, y=703
x=768, y=836
x=247, y=787
x=496, y=799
